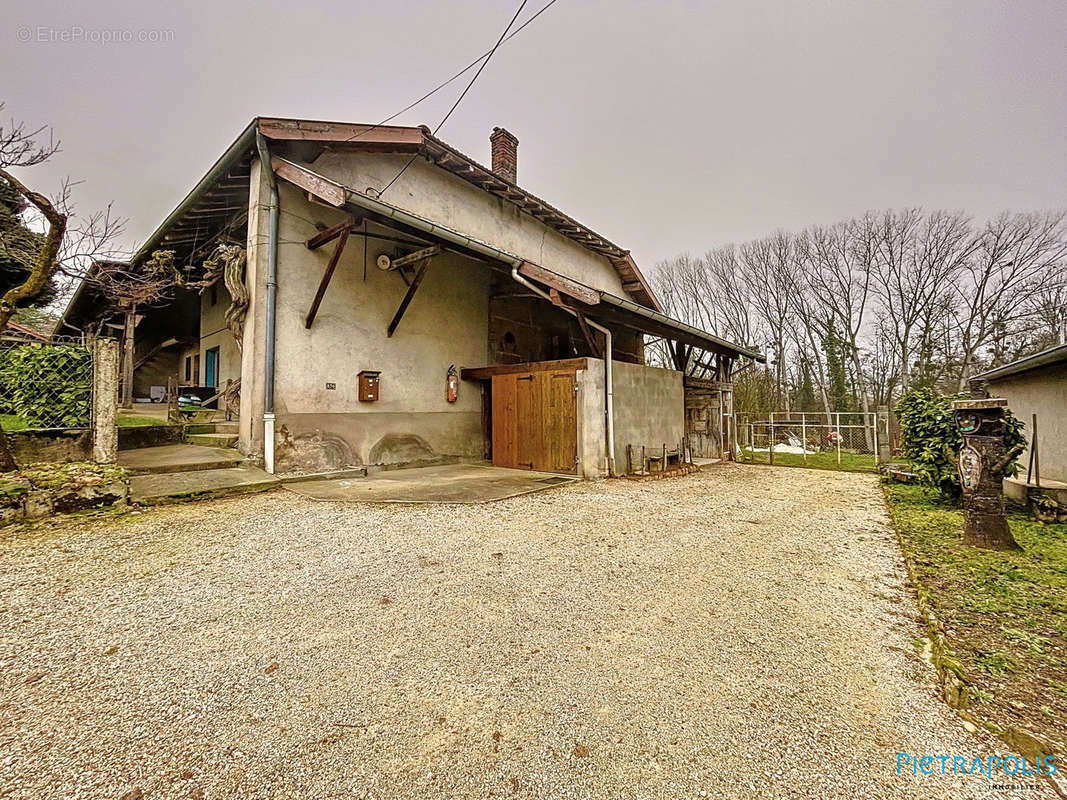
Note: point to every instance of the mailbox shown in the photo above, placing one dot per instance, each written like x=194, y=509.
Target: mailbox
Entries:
x=368, y=385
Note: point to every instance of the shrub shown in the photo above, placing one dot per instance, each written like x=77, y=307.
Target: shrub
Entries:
x=930, y=439
x=48, y=386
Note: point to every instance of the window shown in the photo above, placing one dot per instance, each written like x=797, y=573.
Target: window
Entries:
x=188, y=368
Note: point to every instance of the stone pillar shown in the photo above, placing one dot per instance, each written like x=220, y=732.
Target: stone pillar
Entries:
x=105, y=401
x=982, y=461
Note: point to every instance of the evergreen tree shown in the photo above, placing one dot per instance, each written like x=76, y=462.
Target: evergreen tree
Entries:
x=833, y=347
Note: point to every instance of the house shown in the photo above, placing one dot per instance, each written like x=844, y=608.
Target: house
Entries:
x=15, y=334
x=1036, y=390
x=380, y=298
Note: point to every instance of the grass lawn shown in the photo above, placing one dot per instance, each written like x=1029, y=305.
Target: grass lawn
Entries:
x=1005, y=614
x=851, y=461
x=13, y=423
x=132, y=421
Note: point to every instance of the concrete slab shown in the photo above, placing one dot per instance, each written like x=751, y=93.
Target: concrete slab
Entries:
x=451, y=483
x=177, y=458
x=173, y=487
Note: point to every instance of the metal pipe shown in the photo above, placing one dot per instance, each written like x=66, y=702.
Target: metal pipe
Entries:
x=272, y=297
x=609, y=395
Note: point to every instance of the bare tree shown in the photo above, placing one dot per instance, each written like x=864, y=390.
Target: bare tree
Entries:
x=128, y=289
x=70, y=243
x=1015, y=258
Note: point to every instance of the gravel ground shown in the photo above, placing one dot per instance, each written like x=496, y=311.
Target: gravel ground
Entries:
x=744, y=632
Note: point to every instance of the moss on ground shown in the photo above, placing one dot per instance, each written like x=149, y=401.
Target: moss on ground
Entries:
x=1004, y=614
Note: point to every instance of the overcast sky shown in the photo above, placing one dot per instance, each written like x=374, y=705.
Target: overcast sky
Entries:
x=665, y=126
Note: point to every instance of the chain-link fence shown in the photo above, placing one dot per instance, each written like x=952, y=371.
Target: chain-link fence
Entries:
x=846, y=441
x=45, y=385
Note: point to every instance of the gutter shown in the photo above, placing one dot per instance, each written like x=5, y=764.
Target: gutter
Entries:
x=372, y=204
x=272, y=300
x=1053, y=355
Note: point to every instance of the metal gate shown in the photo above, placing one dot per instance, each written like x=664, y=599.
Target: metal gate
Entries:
x=836, y=440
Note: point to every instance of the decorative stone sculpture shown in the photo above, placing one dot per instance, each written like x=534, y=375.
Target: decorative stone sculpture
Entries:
x=982, y=461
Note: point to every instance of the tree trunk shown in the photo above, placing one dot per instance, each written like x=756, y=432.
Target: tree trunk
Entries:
x=7, y=460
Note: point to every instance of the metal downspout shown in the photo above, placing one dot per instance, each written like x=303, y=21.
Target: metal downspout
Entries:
x=272, y=296
x=609, y=395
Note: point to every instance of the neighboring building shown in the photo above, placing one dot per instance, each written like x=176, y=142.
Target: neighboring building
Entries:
x=452, y=314
x=1037, y=385
x=22, y=334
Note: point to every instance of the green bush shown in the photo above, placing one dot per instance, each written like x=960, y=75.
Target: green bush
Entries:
x=930, y=439
x=47, y=386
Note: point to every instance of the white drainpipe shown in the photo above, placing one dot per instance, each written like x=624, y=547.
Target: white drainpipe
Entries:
x=609, y=402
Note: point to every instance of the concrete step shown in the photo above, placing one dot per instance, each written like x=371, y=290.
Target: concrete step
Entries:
x=176, y=487
x=213, y=439
x=226, y=427
x=177, y=458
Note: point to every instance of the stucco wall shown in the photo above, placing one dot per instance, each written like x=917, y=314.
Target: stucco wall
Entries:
x=214, y=333
x=445, y=324
x=431, y=192
x=1042, y=392
x=649, y=409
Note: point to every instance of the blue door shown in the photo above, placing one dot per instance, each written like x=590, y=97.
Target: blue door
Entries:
x=211, y=367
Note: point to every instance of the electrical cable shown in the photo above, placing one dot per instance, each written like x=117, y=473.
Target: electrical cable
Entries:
x=459, y=99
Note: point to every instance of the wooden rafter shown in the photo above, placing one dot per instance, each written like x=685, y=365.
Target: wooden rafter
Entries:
x=328, y=235
x=414, y=258
x=326, y=276
x=413, y=287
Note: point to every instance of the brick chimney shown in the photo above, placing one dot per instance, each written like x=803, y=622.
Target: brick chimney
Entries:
x=505, y=154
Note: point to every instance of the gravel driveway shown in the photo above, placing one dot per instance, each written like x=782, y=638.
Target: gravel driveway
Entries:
x=744, y=632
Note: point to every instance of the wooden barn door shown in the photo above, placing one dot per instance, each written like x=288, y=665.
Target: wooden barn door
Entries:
x=535, y=421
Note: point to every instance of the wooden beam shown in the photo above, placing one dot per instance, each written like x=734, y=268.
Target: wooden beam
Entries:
x=286, y=129
x=329, y=192
x=330, y=267
x=486, y=373
x=328, y=235
x=414, y=287
x=413, y=258
x=579, y=291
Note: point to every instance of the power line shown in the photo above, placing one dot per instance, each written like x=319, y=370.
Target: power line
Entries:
x=463, y=94
x=462, y=72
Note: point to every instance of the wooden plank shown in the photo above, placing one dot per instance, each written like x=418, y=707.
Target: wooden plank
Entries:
x=579, y=291
x=326, y=276
x=529, y=442
x=328, y=235
x=487, y=373
x=299, y=130
x=329, y=192
x=559, y=423
x=414, y=287
x=505, y=421
x=412, y=258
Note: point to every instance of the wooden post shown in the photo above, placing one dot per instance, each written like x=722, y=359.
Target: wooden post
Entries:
x=127, y=356
x=105, y=394
x=1035, y=462
x=838, y=423
x=770, y=441
x=804, y=436
x=875, y=426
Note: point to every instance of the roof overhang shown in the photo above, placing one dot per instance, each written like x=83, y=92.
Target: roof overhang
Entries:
x=600, y=305
x=1046, y=358
x=221, y=196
